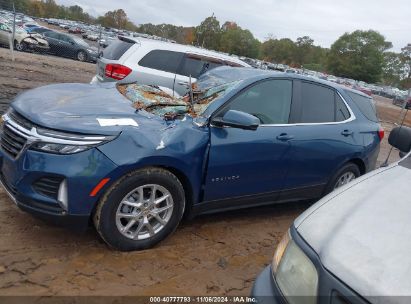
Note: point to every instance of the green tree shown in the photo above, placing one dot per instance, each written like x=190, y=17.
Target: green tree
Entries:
x=278, y=50
x=51, y=8
x=208, y=33
x=241, y=42
x=406, y=59
x=358, y=55
x=116, y=19
x=304, y=46
x=394, y=69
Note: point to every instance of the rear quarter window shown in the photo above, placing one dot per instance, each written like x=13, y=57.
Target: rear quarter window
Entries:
x=318, y=104
x=167, y=61
x=116, y=49
x=365, y=104
x=196, y=66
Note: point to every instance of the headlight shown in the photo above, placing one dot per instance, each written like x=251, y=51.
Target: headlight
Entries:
x=65, y=143
x=294, y=272
x=29, y=40
x=59, y=148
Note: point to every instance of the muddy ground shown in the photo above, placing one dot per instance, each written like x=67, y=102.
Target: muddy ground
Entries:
x=211, y=255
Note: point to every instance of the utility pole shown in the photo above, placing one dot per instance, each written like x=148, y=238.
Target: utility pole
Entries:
x=13, y=34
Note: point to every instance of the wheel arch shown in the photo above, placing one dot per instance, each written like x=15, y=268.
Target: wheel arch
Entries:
x=359, y=163
x=181, y=176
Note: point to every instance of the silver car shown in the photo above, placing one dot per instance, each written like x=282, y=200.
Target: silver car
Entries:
x=353, y=246
x=22, y=40
x=158, y=63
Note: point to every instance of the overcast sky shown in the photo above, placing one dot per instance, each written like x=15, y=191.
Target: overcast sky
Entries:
x=322, y=20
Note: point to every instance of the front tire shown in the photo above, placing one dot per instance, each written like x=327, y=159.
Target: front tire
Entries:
x=81, y=56
x=20, y=46
x=346, y=174
x=140, y=210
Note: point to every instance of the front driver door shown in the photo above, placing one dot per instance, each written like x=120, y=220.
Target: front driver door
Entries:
x=244, y=163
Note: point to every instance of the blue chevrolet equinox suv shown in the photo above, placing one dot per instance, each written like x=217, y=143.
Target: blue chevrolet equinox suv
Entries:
x=134, y=159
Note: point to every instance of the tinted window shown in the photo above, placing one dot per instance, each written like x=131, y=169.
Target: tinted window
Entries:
x=40, y=30
x=317, y=103
x=65, y=38
x=365, y=105
x=52, y=35
x=166, y=61
x=196, y=66
x=3, y=27
x=341, y=109
x=270, y=101
x=116, y=49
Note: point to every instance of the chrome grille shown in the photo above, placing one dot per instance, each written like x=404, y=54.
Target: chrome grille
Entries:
x=20, y=120
x=11, y=142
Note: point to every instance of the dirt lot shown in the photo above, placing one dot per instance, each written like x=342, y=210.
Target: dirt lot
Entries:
x=211, y=255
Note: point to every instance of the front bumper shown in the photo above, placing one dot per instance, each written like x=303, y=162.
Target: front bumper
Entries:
x=81, y=173
x=265, y=289
x=73, y=222
x=92, y=56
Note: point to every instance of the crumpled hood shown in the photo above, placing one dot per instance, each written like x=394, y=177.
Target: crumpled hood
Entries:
x=362, y=233
x=76, y=107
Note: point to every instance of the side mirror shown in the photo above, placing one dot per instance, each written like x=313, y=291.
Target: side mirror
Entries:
x=400, y=138
x=237, y=119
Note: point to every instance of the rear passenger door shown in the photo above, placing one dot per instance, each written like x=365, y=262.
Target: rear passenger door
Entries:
x=54, y=41
x=159, y=68
x=67, y=45
x=193, y=65
x=324, y=138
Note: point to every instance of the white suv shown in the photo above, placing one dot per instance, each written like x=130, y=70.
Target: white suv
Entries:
x=158, y=63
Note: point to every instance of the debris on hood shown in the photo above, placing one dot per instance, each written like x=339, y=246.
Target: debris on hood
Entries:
x=158, y=102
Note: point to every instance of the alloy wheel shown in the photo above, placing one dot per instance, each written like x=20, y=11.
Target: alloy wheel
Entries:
x=144, y=212
x=81, y=56
x=344, y=179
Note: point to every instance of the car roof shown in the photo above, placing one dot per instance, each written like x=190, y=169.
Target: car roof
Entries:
x=251, y=73
x=183, y=48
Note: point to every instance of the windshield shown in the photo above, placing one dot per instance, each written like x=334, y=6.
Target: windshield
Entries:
x=156, y=101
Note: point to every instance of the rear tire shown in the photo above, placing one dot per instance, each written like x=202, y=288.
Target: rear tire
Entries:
x=344, y=175
x=128, y=216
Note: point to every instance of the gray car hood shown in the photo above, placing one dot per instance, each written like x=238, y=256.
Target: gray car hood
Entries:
x=362, y=233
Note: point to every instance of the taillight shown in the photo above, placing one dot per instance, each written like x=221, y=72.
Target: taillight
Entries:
x=381, y=133
x=116, y=71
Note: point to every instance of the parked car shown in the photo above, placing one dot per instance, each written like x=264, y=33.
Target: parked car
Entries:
x=27, y=26
x=70, y=46
x=351, y=246
x=136, y=158
x=22, y=40
x=92, y=36
x=37, y=30
x=160, y=63
x=105, y=41
x=363, y=89
x=75, y=30
x=400, y=100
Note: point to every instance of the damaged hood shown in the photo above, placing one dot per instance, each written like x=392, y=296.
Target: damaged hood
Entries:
x=82, y=108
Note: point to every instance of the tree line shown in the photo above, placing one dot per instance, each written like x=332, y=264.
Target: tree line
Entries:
x=360, y=55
